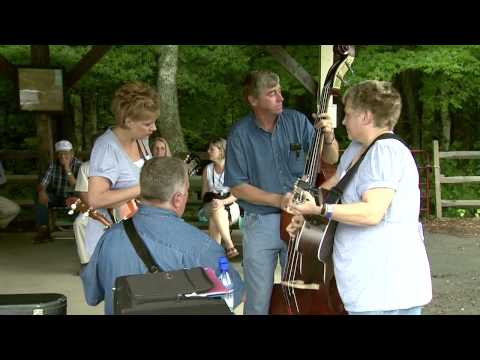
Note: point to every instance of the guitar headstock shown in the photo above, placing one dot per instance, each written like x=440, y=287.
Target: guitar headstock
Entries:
x=301, y=188
x=76, y=204
x=193, y=163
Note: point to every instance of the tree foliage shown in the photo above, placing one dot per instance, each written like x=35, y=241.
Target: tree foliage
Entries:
x=439, y=86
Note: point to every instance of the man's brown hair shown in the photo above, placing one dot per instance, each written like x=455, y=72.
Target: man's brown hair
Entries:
x=259, y=80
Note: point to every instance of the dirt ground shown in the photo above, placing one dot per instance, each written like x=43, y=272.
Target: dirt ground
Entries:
x=453, y=247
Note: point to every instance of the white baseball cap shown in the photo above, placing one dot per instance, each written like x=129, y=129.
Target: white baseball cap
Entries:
x=63, y=145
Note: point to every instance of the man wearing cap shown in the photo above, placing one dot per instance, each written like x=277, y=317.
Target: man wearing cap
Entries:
x=57, y=184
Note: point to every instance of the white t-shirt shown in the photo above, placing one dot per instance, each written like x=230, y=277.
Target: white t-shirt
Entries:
x=110, y=161
x=383, y=267
x=82, y=177
x=215, y=180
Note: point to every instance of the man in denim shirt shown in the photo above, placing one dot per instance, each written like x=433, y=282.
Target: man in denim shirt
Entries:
x=173, y=243
x=266, y=153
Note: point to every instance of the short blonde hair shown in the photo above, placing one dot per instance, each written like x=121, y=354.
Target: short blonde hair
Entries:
x=134, y=100
x=379, y=97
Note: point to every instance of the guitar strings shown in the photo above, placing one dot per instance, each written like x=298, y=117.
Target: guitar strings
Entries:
x=311, y=168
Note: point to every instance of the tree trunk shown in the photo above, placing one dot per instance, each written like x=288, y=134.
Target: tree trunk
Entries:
x=446, y=124
x=65, y=124
x=410, y=90
x=169, y=120
x=89, y=106
x=40, y=55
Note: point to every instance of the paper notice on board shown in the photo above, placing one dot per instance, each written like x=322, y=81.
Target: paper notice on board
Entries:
x=29, y=97
x=58, y=78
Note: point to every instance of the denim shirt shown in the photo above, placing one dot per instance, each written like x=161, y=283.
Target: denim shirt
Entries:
x=270, y=161
x=173, y=243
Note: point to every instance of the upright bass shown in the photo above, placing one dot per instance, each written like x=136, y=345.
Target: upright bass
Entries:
x=308, y=285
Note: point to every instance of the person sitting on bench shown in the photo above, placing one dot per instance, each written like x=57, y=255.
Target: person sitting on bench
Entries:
x=56, y=186
x=219, y=206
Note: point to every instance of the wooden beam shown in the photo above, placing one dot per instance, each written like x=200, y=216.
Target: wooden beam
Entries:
x=85, y=64
x=41, y=57
x=294, y=68
x=18, y=154
x=8, y=69
x=326, y=59
x=459, y=154
x=461, y=203
x=22, y=178
x=459, y=179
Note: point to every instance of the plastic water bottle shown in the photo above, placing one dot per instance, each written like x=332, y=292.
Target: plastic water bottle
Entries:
x=226, y=280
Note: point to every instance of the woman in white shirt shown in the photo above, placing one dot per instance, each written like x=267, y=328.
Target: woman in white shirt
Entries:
x=379, y=257
x=119, y=154
x=219, y=204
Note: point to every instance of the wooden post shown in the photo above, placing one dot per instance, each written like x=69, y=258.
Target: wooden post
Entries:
x=85, y=64
x=40, y=56
x=294, y=68
x=7, y=69
x=436, y=167
x=325, y=62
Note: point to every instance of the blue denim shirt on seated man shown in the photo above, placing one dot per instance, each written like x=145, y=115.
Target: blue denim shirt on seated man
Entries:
x=173, y=243
x=266, y=153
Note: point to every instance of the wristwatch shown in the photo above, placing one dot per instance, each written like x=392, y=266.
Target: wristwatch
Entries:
x=69, y=173
x=327, y=211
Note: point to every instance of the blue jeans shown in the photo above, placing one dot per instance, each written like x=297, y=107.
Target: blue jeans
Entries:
x=262, y=247
x=41, y=211
x=411, y=311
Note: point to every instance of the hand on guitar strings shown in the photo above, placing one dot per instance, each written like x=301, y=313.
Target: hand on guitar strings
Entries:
x=295, y=225
x=305, y=207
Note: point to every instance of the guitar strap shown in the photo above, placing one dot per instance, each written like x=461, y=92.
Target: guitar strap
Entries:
x=336, y=192
x=143, y=150
x=333, y=197
x=140, y=247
